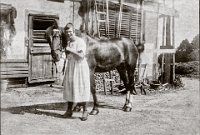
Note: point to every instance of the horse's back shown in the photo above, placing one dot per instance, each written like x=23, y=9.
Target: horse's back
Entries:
x=129, y=49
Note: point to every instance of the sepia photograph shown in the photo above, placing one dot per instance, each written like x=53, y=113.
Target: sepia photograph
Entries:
x=99, y=67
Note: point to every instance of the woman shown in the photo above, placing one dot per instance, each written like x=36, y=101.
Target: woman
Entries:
x=77, y=78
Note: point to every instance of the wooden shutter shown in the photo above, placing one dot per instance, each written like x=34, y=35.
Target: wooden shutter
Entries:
x=130, y=23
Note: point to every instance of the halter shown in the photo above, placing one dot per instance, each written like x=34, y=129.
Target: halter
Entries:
x=55, y=32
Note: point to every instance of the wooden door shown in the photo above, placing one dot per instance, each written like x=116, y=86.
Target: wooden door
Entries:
x=41, y=67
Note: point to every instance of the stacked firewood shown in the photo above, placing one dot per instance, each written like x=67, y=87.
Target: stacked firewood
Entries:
x=99, y=79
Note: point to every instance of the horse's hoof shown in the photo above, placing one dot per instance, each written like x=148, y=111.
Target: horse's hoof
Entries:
x=124, y=107
x=94, y=112
x=127, y=109
x=85, y=116
x=143, y=92
x=134, y=92
x=77, y=109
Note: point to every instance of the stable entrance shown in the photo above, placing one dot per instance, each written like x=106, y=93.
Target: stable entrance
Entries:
x=41, y=67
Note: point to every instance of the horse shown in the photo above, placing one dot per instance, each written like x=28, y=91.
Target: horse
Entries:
x=105, y=55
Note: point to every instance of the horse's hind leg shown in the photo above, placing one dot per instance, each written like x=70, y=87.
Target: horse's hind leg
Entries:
x=132, y=81
x=124, y=77
x=95, y=109
x=132, y=90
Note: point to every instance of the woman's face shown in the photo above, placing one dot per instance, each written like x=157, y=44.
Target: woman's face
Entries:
x=70, y=33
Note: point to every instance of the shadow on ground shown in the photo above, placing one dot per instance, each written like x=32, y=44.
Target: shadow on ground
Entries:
x=48, y=109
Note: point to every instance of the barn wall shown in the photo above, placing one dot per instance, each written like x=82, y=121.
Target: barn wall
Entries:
x=18, y=50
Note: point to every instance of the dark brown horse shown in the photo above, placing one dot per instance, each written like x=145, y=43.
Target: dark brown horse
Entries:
x=105, y=55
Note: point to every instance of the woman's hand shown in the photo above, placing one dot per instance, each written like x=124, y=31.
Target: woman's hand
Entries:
x=68, y=49
x=78, y=55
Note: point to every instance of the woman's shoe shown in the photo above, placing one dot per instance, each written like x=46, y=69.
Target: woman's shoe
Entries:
x=67, y=114
x=85, y=115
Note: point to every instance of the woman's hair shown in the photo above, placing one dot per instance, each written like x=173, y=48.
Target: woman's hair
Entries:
x=68, y=26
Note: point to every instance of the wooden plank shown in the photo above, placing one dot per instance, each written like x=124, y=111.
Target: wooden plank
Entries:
x=98, y=12
x=39, y=40
x=101, y=20
x=14, y=65
x=41, y=80
x=13, y=61
x=13, y=69
x=41, y=45
x=14, y=76
x=39, y=50
x=160, y=50
x=13, y=72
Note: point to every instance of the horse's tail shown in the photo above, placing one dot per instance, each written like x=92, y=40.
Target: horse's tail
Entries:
x=140, y=47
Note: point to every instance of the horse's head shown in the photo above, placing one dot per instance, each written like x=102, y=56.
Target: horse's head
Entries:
x=55, y=38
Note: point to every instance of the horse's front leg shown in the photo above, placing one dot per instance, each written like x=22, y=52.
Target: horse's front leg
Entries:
x=95, y=109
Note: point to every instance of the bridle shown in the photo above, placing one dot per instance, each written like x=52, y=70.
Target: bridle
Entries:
x=56, y=33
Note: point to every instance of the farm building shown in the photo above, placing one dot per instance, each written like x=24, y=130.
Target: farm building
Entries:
x=25, y=52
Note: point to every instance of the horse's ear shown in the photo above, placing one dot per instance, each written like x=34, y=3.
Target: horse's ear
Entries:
x=55, y=24
x=48, y=33
x=64, y=38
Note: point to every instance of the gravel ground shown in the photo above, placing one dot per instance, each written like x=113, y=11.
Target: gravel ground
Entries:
x=37, y=111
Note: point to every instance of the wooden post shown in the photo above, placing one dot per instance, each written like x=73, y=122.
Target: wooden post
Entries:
x=155, y=58
x=111, y=83
x=163, y=36
x=142, y=19
x=168, y=31
x=168, y=56
x=87, y=15
x=173, y=42
x=136, y=31
x=73, y=12
x=107, y=19
x=104, y=84
x=162, y=68
x=130, y=22
x=136, y=42
x=120, y=18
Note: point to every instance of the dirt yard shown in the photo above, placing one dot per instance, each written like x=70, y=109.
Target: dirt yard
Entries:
x=37, y=111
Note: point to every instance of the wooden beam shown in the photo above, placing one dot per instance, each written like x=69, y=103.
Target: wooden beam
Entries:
x=160, y=50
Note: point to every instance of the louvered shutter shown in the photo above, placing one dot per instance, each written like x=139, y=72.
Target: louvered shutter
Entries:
x=130, y=23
